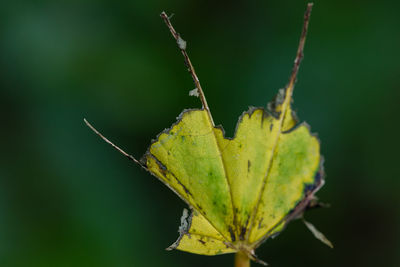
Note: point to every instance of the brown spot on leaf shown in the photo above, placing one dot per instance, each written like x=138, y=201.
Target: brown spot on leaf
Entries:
x=260, y=223
x=242, y=233
x=182, y=185
x=161, y=167
x=232, y=234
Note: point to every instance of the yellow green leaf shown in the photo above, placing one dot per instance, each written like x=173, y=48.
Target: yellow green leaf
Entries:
x=240, y=190
x=244, y=189
x=188, y=159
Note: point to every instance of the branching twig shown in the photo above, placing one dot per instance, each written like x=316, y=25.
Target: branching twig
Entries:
x=182, y=46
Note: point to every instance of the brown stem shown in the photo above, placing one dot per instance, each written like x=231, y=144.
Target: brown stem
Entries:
x=300, y=49
x=114, y=146
x=242, y=260
x=182, y=46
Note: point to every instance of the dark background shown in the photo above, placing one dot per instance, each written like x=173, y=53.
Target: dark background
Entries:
x=68, y=199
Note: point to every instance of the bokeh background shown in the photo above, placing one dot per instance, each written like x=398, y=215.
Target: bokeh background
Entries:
x=68, y=199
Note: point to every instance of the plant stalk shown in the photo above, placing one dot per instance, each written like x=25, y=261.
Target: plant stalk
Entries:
x=242, y=260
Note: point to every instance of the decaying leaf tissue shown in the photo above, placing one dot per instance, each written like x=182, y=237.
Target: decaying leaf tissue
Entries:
x=243, y=190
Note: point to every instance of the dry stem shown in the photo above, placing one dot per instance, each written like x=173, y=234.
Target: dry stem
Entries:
x=130, y=157
x=182, y=46
x=300, y=49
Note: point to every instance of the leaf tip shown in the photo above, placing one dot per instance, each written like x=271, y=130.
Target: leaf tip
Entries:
x=317, y=234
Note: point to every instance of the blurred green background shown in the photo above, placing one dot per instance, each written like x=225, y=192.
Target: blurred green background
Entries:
x=68, y=199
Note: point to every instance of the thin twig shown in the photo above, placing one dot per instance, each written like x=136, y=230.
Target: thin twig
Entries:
x=182, y=46
x=114, y=146
x=300, y=49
